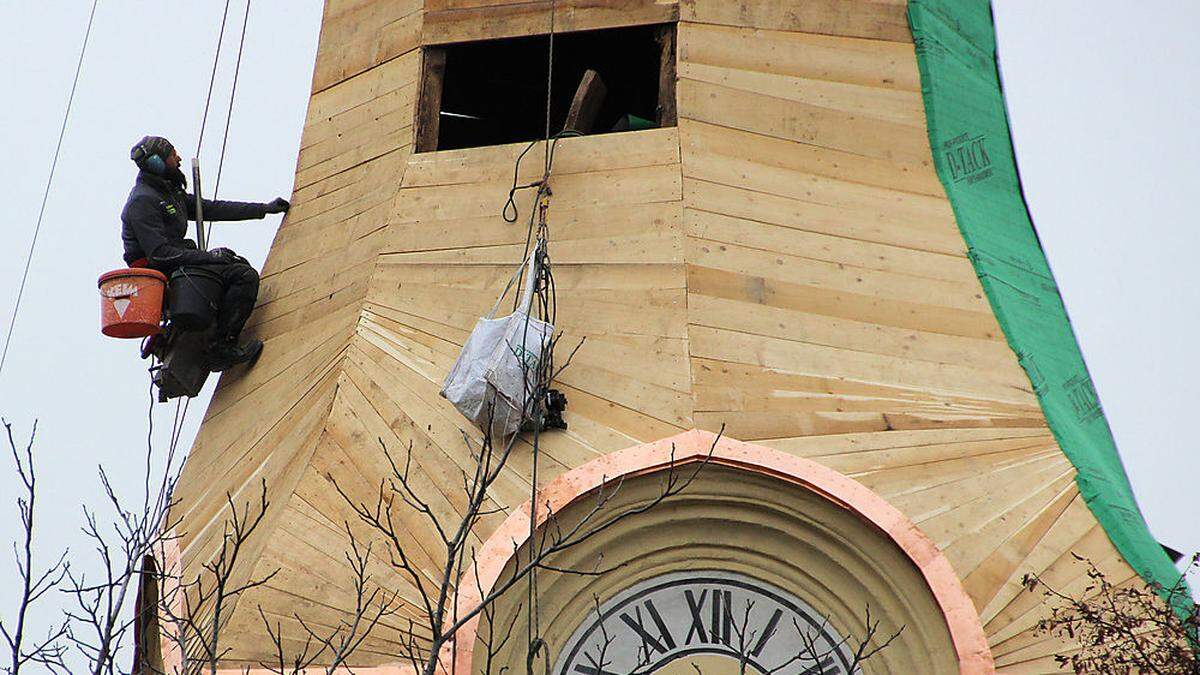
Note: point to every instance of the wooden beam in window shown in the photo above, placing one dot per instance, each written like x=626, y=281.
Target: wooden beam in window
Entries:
x=429, y=106
x=666, y=76
x=589, y=96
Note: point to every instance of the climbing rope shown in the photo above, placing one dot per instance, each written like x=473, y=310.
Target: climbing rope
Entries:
x=212, y=78
x=49, y=181
x=546, y=307
x=182, y=406
x=237, y=69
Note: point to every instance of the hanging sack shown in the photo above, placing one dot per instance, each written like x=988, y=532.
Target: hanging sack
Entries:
x=496, y=370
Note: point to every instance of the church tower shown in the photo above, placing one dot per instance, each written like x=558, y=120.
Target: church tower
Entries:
x=793, y=236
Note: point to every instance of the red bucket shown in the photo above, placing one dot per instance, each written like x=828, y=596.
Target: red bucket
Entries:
x=131, y=302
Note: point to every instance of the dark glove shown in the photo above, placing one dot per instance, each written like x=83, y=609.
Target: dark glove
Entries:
x=279, y=205
x=228, y=255
x=170, y=257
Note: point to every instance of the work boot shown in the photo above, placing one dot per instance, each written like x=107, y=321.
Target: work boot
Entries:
x=225, y=354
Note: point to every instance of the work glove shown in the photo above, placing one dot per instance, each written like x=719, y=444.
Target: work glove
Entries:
x=279, y=205
x=228, y=255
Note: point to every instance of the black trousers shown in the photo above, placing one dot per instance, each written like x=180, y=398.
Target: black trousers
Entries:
x=239, y=292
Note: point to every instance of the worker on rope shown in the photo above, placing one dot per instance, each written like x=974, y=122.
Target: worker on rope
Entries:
x=154, y=228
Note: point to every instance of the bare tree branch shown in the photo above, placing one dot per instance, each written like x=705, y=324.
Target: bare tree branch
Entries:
x=1125, y=628
x=47, y=652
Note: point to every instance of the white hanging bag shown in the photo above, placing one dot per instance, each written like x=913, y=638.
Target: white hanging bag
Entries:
x=496, y=371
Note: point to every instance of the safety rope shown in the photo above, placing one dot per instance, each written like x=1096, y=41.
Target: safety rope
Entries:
x=212, y=78
x=547, y=309
x=49, y=181
x=237, y=69
x=181, y=414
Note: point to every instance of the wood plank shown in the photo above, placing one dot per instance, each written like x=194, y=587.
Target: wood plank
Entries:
x=921, y=484
x=886, y=105
x=1066, y=574
x=970, y=498
x=726, y=141
x=903, y=453
x=429, y=107
x=637, y=185
x=334, y=128
x=396, y=139
x=474, y=238
x=1065, y=532
x=392, y=31
x=853, y=335
x=969, y=546
x=771, y=237
x=919, y=213
x=802, y=122
x=362, y=88
x=987, y=578
x=533, y=18
x=900, y=441
x=750, y=378
x=382, y=128
x=667, y=68
x=1032, y=644
x=644, y=312
x=864, y=62
x=964, y=295
x=840, y=304
x=585, y=105
x=857, y=224
x=202, y=503
x=802, y=358
x=875, y=19
x=490, y=165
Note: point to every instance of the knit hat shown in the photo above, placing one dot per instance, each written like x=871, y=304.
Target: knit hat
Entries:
x=148, y=147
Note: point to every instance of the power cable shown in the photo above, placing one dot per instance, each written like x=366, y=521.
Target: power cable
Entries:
x=49, y=181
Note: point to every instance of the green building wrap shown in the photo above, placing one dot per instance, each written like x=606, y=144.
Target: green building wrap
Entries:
x=973, y=153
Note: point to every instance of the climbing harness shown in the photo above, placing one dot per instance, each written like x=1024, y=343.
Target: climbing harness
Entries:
x=177, y=344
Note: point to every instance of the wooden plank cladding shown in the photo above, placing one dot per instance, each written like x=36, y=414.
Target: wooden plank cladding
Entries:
x=831, y=310
x=357, y=35
x=874, y=19
x=461, y=21
x=783, y=263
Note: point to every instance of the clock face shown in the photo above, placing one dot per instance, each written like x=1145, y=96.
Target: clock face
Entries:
x=709, y=621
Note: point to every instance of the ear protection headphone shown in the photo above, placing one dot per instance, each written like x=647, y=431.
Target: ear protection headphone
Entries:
x=146, y=160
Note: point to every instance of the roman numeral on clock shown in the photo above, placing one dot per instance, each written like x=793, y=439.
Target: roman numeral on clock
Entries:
x=720, y=626
x=663, y=642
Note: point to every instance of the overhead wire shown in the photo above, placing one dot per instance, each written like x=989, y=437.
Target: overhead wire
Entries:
x=49, y=182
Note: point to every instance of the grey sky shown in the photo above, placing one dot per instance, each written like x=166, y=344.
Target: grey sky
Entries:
x=1102, y=98
x=147, y=70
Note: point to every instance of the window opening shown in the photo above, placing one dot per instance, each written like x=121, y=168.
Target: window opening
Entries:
x=493, y=92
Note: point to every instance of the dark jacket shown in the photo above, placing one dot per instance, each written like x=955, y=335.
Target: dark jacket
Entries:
x=155, y=220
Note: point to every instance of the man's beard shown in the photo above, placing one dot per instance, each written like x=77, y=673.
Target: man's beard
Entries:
x=176, y=176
